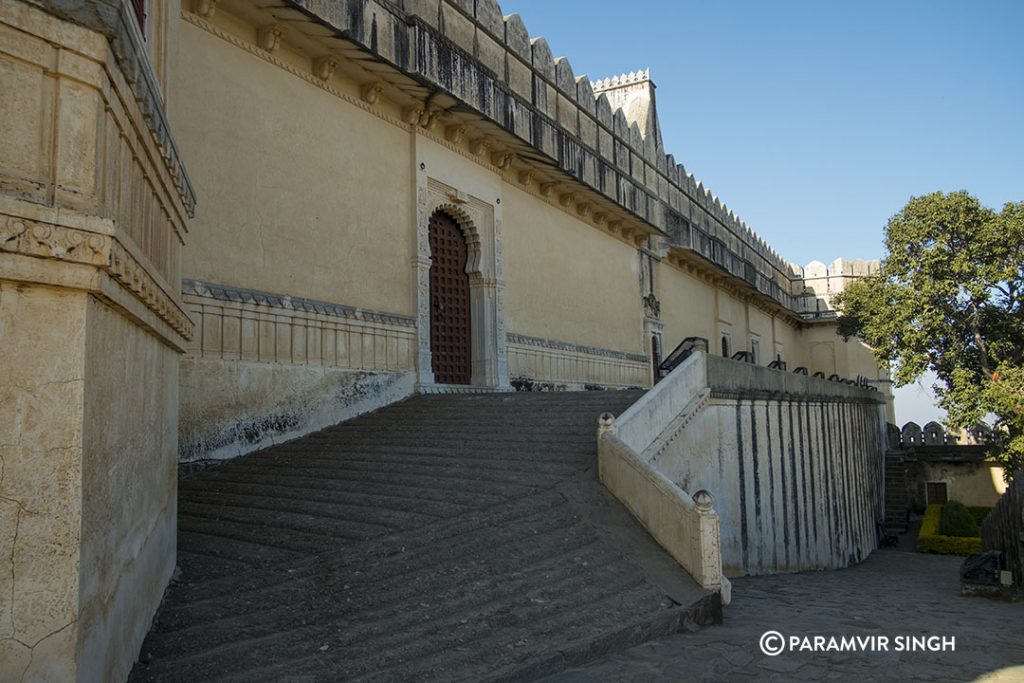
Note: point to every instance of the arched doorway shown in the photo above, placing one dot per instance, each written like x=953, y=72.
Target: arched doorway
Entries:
x=655, y=359
x=450, y=331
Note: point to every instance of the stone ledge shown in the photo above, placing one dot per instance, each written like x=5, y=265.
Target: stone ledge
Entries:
x=524, y=340
x=46, y=245
x=243, y=295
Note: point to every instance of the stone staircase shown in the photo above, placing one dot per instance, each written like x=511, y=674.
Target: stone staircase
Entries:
x=447, y=537
x=896, y=502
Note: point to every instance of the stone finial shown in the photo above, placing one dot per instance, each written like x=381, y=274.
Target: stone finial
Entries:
x=269, y=37
x=703, y=500
x=606, y=424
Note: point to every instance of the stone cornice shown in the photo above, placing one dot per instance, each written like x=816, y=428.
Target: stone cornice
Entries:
x=242, y=295
x=555, y=345
x=95, y=244
x=753, y=395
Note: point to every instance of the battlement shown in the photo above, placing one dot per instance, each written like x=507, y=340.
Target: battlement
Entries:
x=821, y=283
x=621, y=81
x=604, y=133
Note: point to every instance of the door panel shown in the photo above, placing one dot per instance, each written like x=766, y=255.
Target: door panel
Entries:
x=451, y=359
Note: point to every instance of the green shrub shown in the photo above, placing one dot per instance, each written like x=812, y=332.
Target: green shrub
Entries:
x=929, y=540
x=979, y=513
x=956, y=520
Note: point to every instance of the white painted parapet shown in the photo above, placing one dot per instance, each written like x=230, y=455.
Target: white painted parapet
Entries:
x=686, y=526
x=795, y=463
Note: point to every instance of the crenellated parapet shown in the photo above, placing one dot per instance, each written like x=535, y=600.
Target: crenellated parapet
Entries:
x=603, y=134
x=822, y=283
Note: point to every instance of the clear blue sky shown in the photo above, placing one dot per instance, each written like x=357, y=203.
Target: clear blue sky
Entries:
x=817, y=121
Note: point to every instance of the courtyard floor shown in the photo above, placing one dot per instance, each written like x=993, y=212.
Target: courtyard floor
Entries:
x=893, y=594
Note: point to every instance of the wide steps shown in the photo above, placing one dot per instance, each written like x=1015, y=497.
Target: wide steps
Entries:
x=443, y=538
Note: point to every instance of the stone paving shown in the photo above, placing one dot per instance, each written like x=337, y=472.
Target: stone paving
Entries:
x=893, y=593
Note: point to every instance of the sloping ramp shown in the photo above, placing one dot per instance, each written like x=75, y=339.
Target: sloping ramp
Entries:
x=447, y=537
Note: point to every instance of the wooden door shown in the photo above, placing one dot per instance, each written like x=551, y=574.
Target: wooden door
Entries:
x=451, y=359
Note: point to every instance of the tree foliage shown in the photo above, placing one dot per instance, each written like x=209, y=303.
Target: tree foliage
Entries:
x=950, y=298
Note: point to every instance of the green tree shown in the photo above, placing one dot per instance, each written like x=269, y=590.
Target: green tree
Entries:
x=950, y=298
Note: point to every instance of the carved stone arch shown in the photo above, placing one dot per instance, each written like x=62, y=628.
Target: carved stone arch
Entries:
x=469, y=232
x=480, y=224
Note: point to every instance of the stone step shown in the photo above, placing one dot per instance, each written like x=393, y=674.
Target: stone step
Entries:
x=491, y=526
x=382, y=601
x=442, y=538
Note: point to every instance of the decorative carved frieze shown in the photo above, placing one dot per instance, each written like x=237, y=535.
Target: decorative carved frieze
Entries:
x=46, y=240
x=526, y=177
x=547, y=188
x=566, y=198
x=583, y=209
x=103, y=251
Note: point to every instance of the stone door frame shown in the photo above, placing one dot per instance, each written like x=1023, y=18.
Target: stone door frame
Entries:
x=482, y=230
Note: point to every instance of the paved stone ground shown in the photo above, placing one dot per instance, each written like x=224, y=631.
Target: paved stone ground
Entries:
x=892, y=593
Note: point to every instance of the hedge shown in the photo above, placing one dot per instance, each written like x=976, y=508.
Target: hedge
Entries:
x=930, y=541
x=979, y=513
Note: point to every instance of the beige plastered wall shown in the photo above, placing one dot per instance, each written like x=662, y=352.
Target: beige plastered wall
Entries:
x=692, y=306
x=303, y=193
x=978, y=484
x=566, y=280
